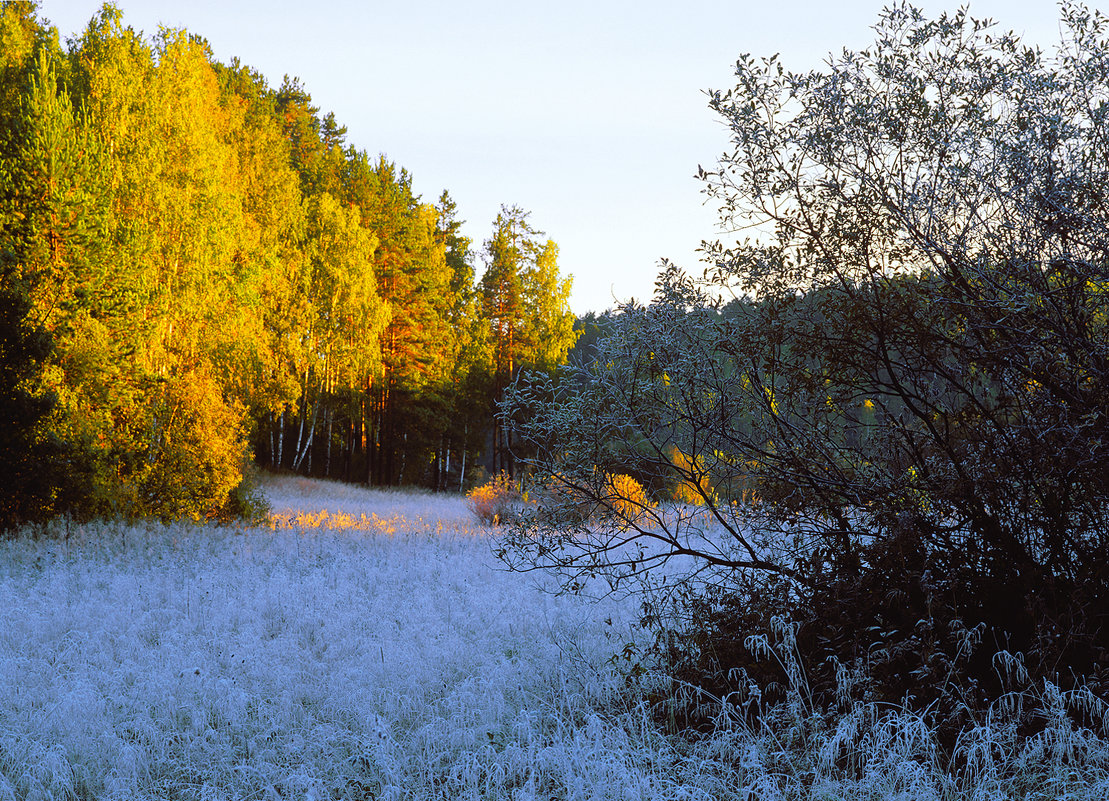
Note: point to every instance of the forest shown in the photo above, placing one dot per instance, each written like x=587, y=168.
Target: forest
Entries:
x=200, y=272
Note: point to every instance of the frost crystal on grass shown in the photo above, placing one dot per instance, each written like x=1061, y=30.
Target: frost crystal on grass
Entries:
x=394, y=659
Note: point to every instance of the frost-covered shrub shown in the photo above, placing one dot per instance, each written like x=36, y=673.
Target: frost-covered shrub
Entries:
x=909, y=370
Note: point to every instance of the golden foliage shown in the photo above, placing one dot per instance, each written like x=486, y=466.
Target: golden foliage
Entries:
x=694, y=487
x=495, y=501
x=626, y=498
x=612, y=497
x=196, y=449
x=324, y=520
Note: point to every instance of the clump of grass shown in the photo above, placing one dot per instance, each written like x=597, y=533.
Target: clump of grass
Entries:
x=796, y=749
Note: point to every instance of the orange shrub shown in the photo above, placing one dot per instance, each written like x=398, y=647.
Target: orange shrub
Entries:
x=616, y=497
x=495, y=501
x=626, y=497
x=687, y=491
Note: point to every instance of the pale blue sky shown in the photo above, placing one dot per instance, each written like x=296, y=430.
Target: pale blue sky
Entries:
x=588, y=113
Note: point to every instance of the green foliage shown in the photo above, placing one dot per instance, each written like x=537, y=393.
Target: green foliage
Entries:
x=524, y=298
x=524, y=302
x=468, y=388
x=30, y=461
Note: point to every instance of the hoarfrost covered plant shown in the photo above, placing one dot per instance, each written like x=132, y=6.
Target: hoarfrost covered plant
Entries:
x=907, y=367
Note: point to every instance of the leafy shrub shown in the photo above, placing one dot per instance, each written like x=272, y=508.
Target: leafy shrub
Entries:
x=246, y=502
x=593, y=498
x=195, y=452
x=496, y=501
x=627, y=501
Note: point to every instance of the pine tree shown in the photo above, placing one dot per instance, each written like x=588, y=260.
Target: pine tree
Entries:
x=526, y=305
x=30, y=460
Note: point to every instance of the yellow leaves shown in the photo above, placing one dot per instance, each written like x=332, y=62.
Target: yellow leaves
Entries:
x=347, y=314
x=915, y=496
x=324, y=520
x=694, y=486
x=601, y=498
x=495, y=500
x=525, y=298
x=626, y=498
x=17, y=34
x=771, y=401
x=195, y=449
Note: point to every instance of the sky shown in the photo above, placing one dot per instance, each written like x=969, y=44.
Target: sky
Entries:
x=590, y=114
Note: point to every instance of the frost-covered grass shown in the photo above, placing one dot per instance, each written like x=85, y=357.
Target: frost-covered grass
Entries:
x=369, y=646
x=388, y=659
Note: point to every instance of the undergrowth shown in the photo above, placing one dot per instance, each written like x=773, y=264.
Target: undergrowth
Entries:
x=787, y=739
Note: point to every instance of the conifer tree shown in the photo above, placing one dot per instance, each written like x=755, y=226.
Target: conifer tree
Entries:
x=471, y=373
x=30, y=459
x=525, y=302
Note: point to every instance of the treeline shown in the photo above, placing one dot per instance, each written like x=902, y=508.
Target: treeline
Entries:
x=198, y=268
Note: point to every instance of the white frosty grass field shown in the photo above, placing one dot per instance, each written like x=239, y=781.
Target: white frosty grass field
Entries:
x=370, y=648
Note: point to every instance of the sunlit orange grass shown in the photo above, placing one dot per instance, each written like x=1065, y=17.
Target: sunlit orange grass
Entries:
x=323, y=520
x=338, y=521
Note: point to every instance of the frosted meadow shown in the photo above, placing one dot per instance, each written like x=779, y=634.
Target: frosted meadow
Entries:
x=369, y=646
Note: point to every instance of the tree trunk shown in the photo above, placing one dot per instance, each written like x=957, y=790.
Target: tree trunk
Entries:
x=307, y=449
x=281, y=437
x=273, y=442
x=300, y=440
x=330, y=420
